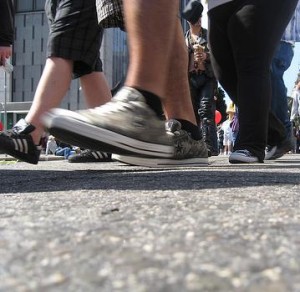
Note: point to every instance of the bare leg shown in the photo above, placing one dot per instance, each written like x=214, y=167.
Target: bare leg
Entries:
x=52, y=87
x=178, y=101
x=151, y=29
x=158, y=55
x=95, y=88
x=54, y=84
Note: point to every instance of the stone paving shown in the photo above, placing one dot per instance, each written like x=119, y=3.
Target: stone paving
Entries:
x=111, y=227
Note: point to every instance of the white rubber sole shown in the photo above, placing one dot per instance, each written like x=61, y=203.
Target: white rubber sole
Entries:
x=238, y=158
x=161, y=162
x=68, y=125
x=269, y=155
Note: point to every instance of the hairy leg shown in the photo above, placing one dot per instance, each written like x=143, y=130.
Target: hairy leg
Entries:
x=158, y=57
x=151, y=27
x=178, y=101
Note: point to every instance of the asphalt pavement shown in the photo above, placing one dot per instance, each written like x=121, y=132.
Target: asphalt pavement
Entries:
x=112, y=227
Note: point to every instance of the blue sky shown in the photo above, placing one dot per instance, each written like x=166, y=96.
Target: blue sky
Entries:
x=291, y=74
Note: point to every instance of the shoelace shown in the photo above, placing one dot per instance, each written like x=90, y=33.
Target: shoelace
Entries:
x=11, y=132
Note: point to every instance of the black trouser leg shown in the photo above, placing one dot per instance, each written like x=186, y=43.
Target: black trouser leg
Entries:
x=243, y=37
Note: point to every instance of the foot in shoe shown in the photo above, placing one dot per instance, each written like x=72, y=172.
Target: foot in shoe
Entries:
x=188, y=152
x=18, y=143
x=277, y=151
x=125, y=125
x=90, y=156
x=242, y=156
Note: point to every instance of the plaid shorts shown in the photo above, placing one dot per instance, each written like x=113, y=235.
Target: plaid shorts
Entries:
x=75, y=34
x=110, y=13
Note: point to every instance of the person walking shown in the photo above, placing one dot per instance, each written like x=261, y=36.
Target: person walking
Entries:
x=295, y=110
x=279, y=102
x=202, y=81
x=131, y=125
x=71, y=53
x=243, y=36
x=227, y=129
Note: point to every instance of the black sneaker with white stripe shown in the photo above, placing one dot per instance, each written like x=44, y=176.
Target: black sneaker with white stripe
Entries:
x=90, y=156
x=18, y=143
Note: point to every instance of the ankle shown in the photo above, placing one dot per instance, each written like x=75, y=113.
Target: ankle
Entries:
x=194, y=130
x=36, y=136
x=152, y=100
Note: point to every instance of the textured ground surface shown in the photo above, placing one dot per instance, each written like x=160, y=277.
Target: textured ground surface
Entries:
x=110, y=227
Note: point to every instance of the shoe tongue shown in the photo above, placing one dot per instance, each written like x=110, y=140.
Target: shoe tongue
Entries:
x=173, y=126
x=22, y=127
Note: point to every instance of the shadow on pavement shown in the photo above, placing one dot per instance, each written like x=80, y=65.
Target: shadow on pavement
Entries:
x=24, y=181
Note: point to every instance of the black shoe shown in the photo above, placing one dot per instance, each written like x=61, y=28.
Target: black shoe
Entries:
x=18, y=143
x=207, y=128
x=90, y=156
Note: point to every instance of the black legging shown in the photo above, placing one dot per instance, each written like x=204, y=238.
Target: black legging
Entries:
x=243, y=36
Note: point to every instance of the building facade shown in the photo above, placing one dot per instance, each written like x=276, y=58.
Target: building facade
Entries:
x=29, y=55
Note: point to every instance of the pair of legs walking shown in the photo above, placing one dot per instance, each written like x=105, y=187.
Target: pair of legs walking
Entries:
x=203, y=89
x=279, y=102
x=54, y=84
x=129, y=125
x=243, y=37
x=71, y=53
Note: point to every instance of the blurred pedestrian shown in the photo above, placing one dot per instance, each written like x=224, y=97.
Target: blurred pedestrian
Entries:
x=51, y=145
x=279, y=103
x=295, y=111
x=202, y=81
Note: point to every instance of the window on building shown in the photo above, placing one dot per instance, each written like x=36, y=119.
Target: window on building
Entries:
x=24, y=6
x=29, y=5
x=39, y=5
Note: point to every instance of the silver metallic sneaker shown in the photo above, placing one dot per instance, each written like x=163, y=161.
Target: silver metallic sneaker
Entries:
x=187, y=153
x=125, y=125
